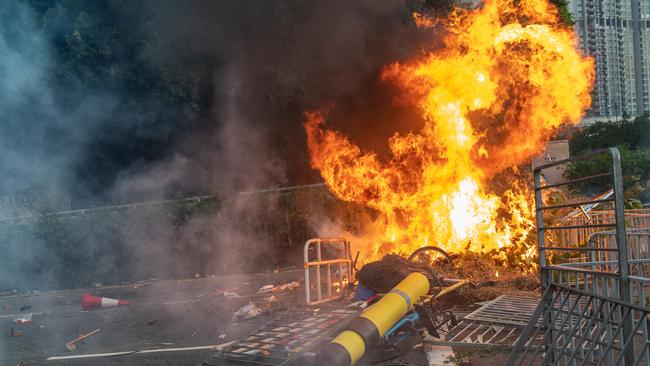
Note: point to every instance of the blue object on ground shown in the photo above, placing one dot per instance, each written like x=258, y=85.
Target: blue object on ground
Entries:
x=363, y=293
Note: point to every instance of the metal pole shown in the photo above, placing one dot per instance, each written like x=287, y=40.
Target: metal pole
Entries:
x=329, y=280
x=543, y=271
x=306, y=264
x=625, y=292
x=540, y=227
x=319, y=294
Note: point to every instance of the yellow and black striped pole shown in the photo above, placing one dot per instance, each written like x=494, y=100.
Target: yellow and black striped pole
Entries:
x=366, y=330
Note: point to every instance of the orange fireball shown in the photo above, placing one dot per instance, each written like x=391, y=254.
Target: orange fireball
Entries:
x=508, y=76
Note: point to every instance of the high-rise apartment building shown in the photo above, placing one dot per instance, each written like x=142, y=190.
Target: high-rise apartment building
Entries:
x=617, y=34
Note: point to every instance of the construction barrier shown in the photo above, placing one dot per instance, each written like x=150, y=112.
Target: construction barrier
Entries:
x=365, y=331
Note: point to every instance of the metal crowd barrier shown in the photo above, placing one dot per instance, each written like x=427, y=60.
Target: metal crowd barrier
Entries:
x=594, y=307
x=334, y=257
x=634, y=219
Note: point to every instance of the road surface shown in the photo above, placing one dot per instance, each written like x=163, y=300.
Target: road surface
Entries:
x=185, y=318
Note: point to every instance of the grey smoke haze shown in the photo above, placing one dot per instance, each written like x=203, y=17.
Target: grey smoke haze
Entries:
x=261, y=66
x=37, y=138
x=272, y=62
x=39, y=142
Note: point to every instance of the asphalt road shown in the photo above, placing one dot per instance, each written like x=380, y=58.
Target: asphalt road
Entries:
x=163, y=315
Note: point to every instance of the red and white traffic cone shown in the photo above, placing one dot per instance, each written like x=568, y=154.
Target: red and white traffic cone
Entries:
x=89, y=302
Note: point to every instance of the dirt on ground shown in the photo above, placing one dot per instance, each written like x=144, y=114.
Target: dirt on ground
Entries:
x=490, y=278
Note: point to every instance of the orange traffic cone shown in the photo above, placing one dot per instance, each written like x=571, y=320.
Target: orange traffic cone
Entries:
x=89, y=302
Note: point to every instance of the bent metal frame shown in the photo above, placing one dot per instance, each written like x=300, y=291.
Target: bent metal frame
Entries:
x=594, y=309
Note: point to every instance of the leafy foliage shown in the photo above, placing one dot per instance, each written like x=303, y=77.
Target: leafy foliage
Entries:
x=632, y=135
x=633, y=140
x=565, y=13
x=175, y=239
x=139, y=106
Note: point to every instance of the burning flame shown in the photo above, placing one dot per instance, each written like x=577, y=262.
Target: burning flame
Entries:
x=339, y=285
x=508, y=76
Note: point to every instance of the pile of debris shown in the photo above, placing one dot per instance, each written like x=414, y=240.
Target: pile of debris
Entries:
x=394, y=304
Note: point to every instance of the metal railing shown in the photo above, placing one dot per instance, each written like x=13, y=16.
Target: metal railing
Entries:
x=136, y=205
x=578, y=327
x=593, y=308
x=638, y=259
x=634, y=219
x=336, y=263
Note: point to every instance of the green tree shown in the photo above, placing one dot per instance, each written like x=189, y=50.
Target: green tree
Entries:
x=563, y=10
x=633, y=140
x=99, y=55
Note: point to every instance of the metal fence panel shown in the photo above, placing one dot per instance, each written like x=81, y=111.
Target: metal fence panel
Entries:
x=326, y=274
x=594, y=276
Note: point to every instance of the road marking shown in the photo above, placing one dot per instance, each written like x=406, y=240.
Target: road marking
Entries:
x=177, y=349
x=157, y=350
x=180, y=302
x=94, y=355
x=18, y=315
